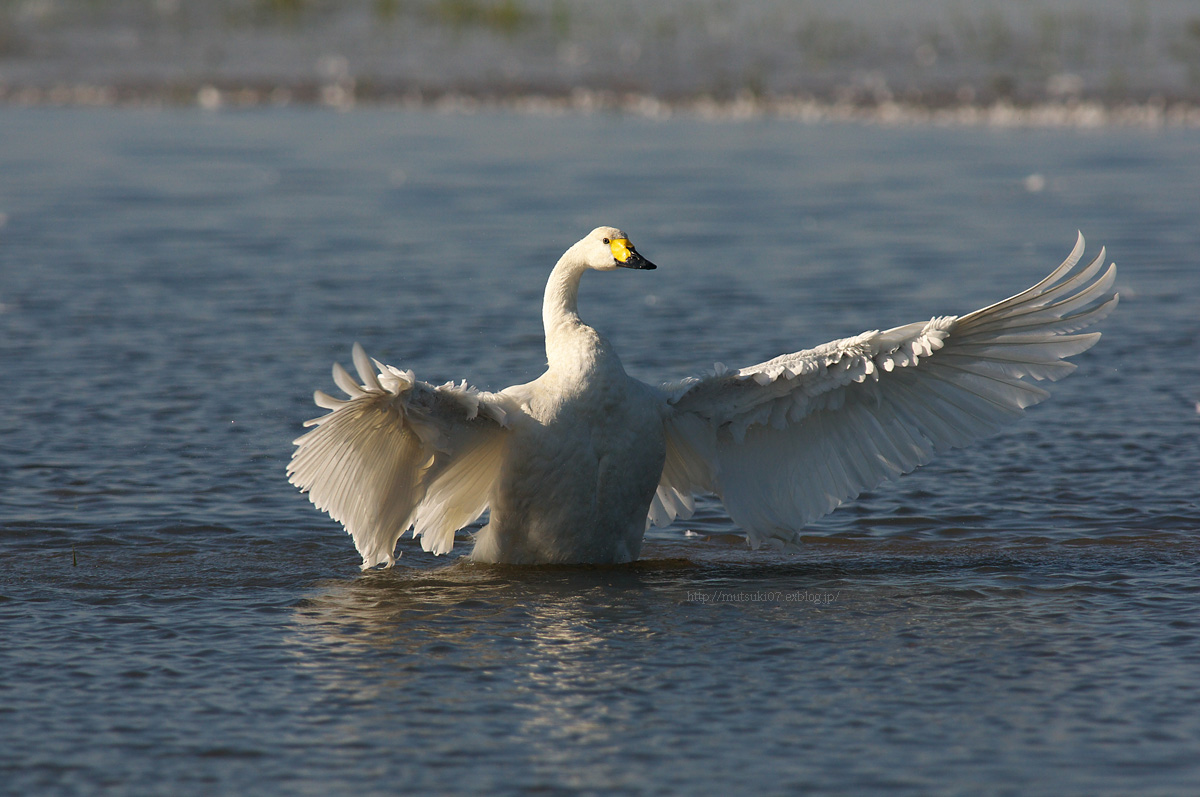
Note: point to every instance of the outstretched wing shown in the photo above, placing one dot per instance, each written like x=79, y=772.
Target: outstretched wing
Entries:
x=784, y=442
x=399, y=453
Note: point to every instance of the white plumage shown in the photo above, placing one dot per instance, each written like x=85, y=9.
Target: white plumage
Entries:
x=577, y=463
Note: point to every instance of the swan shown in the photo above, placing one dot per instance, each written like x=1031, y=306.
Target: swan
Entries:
x=576, y=465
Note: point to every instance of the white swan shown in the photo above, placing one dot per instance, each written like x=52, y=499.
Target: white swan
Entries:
x=575, y=465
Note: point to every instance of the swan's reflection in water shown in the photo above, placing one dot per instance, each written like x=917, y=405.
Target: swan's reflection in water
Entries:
x=575, y=676
x=554, y=660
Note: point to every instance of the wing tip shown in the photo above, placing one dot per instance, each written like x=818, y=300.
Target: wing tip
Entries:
x=362, y=364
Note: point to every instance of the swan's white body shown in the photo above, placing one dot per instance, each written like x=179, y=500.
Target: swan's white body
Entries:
x=577, y=463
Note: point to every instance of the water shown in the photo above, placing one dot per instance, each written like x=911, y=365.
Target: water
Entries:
x=1020, y=617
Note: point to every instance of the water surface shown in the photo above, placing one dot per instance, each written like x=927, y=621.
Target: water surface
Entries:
x=1020, y=617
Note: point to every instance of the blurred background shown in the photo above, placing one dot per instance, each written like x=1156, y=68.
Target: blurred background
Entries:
x=856, y=53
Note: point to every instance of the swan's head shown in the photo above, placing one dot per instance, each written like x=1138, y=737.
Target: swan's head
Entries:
x=607, y=249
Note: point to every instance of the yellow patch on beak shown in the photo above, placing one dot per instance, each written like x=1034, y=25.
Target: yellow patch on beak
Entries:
x=621, y=249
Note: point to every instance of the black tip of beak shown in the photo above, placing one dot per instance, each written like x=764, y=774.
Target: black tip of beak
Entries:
x=637, y=261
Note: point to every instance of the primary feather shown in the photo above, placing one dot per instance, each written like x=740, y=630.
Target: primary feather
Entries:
x=574, y=465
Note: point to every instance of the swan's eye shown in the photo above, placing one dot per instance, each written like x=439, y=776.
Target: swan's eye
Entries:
x=606, y=240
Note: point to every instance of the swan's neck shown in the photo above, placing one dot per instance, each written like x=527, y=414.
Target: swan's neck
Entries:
x=570, y=343
x=560, y=307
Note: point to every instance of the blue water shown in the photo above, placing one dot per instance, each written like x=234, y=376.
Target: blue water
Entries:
x=1020, y=617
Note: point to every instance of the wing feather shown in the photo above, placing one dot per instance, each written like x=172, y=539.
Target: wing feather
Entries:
x=788, y=440
x=399, y=453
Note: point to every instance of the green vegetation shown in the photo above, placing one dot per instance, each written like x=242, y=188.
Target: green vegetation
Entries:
x=826, y=40
x=500, y=16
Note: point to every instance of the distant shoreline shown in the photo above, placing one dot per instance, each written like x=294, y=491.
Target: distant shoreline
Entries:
x=1073, y=112
x=1053, y=63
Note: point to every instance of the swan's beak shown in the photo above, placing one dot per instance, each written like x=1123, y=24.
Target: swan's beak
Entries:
x=627, y=257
